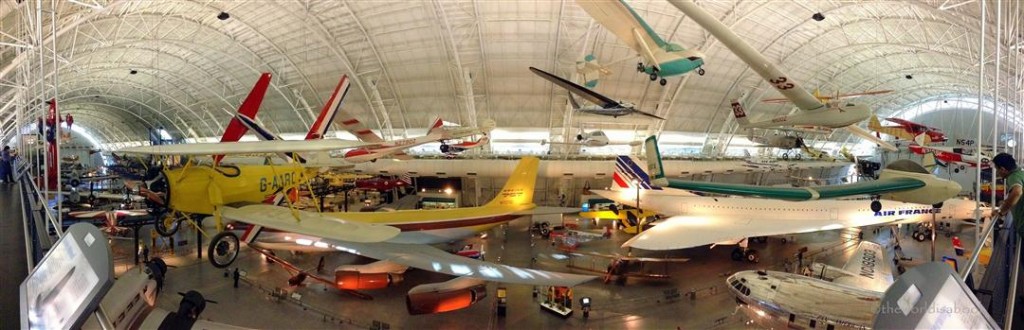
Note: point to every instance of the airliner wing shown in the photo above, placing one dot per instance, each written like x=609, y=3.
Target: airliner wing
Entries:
x=870, y=266
x=583, y=92
x=874, y=187
x=229, y=148
x=309, y=223
x=865, y=134
x=432, y=259
x=681, y=232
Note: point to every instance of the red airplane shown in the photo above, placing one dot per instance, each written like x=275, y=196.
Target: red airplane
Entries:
x=967, y=157
x=907, y=130
x=383, y=184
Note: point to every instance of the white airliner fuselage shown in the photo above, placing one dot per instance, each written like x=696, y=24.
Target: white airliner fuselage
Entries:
x=784, y=300
x=709, y=214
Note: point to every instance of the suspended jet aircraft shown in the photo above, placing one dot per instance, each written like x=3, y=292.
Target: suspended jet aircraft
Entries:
x=699, y=220
x=602, y=104
x=902, y=180
x=907, y=130
x=832, y=114
x=663, y=59
x=847, y=297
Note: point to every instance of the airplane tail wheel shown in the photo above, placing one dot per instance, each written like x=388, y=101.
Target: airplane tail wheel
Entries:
x=700, y=71
x=737, y=254
x=639, y=67
x=663, y=82
x=937, y=205
x=876, y=206
x=654, y=76
x=752, y=256
x=167, y=224
x=223, y=249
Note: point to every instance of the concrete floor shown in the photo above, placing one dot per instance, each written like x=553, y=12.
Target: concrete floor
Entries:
x=12, y=243
x=641, y=303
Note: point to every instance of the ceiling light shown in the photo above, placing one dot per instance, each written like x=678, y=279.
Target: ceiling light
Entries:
x=818, y=17
x=133, y=71
x=223, y=16
x=909, y=76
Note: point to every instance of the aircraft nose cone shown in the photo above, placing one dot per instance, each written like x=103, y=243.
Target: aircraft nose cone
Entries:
x=953, y=188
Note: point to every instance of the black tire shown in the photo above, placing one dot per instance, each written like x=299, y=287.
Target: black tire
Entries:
x=876, y=206
x=700, y=71
x=640, y=67
x=663, y=82
x=737, y=254
x=166, y=227
x=445, y=148
x=751, y=256
x=785, y=156
x=75, y=182
x=223, y=249
x=937, y=205
x=654, y=76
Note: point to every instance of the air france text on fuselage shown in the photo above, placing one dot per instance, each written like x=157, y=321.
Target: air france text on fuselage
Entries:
x=907, y=212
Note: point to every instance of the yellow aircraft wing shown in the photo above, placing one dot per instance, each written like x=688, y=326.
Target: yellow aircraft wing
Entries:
x=310, y=223
x=234, y=148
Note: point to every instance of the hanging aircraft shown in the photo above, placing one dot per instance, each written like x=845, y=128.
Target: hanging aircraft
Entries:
x=785, y=142
x=663, y=59
x=907, y=130
x=834, y=298
x=591, y=70
x=396, y=149
x=762, y=162
x=700, y=220
x=592, y=139
x=828, y=98
x=816, y=122
x=902, y=180
x=832, y=114
x=602, y=104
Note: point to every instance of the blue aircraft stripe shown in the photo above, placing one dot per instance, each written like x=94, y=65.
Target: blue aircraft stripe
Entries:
x=628, y=168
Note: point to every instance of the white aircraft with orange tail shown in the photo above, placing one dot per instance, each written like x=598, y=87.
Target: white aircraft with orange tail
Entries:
x=379, y=148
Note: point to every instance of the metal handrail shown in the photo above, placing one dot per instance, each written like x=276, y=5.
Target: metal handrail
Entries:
x=1011, y=296
x=977, y=247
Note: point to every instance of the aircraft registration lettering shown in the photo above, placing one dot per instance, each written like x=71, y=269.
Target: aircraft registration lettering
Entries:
x=278, y=181
x=907, y=212
x=405, y=142
x=867, y=264
x=779, y=119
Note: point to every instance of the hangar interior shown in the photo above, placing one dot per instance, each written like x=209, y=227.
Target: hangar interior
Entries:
x=510, y=164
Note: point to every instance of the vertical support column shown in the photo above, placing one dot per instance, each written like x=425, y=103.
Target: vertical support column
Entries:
x=981, y=96
x=383, y=121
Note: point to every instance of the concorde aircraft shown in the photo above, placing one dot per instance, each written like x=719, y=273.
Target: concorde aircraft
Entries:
x=699, y=220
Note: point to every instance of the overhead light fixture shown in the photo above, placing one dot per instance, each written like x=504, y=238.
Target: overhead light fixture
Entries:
x=223, y=16
x=133, y=71
x=909, y=76
x=818, y=17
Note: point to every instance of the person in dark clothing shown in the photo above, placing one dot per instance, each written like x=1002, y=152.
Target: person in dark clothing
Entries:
x=6, y=170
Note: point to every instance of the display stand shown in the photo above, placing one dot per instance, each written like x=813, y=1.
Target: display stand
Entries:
x=69, y=282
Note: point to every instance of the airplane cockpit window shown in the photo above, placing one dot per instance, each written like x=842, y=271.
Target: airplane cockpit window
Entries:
x=740, y=287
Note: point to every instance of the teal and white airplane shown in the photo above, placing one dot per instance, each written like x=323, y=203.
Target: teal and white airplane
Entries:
x=664, y=59
x=901, y=181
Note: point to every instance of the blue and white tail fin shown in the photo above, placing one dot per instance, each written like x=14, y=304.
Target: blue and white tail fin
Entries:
x=629, y=175
x=265, y=135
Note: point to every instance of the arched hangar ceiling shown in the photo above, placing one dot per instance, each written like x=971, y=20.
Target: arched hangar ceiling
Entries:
x=410, y=59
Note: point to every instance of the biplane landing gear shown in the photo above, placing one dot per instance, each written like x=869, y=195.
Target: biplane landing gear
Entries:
x=167, y=224
x=223, y=249
x=700, y=71
x=663, y=82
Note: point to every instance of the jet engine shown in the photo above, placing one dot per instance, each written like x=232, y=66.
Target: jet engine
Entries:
x=447, y=296
x=377, y=275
